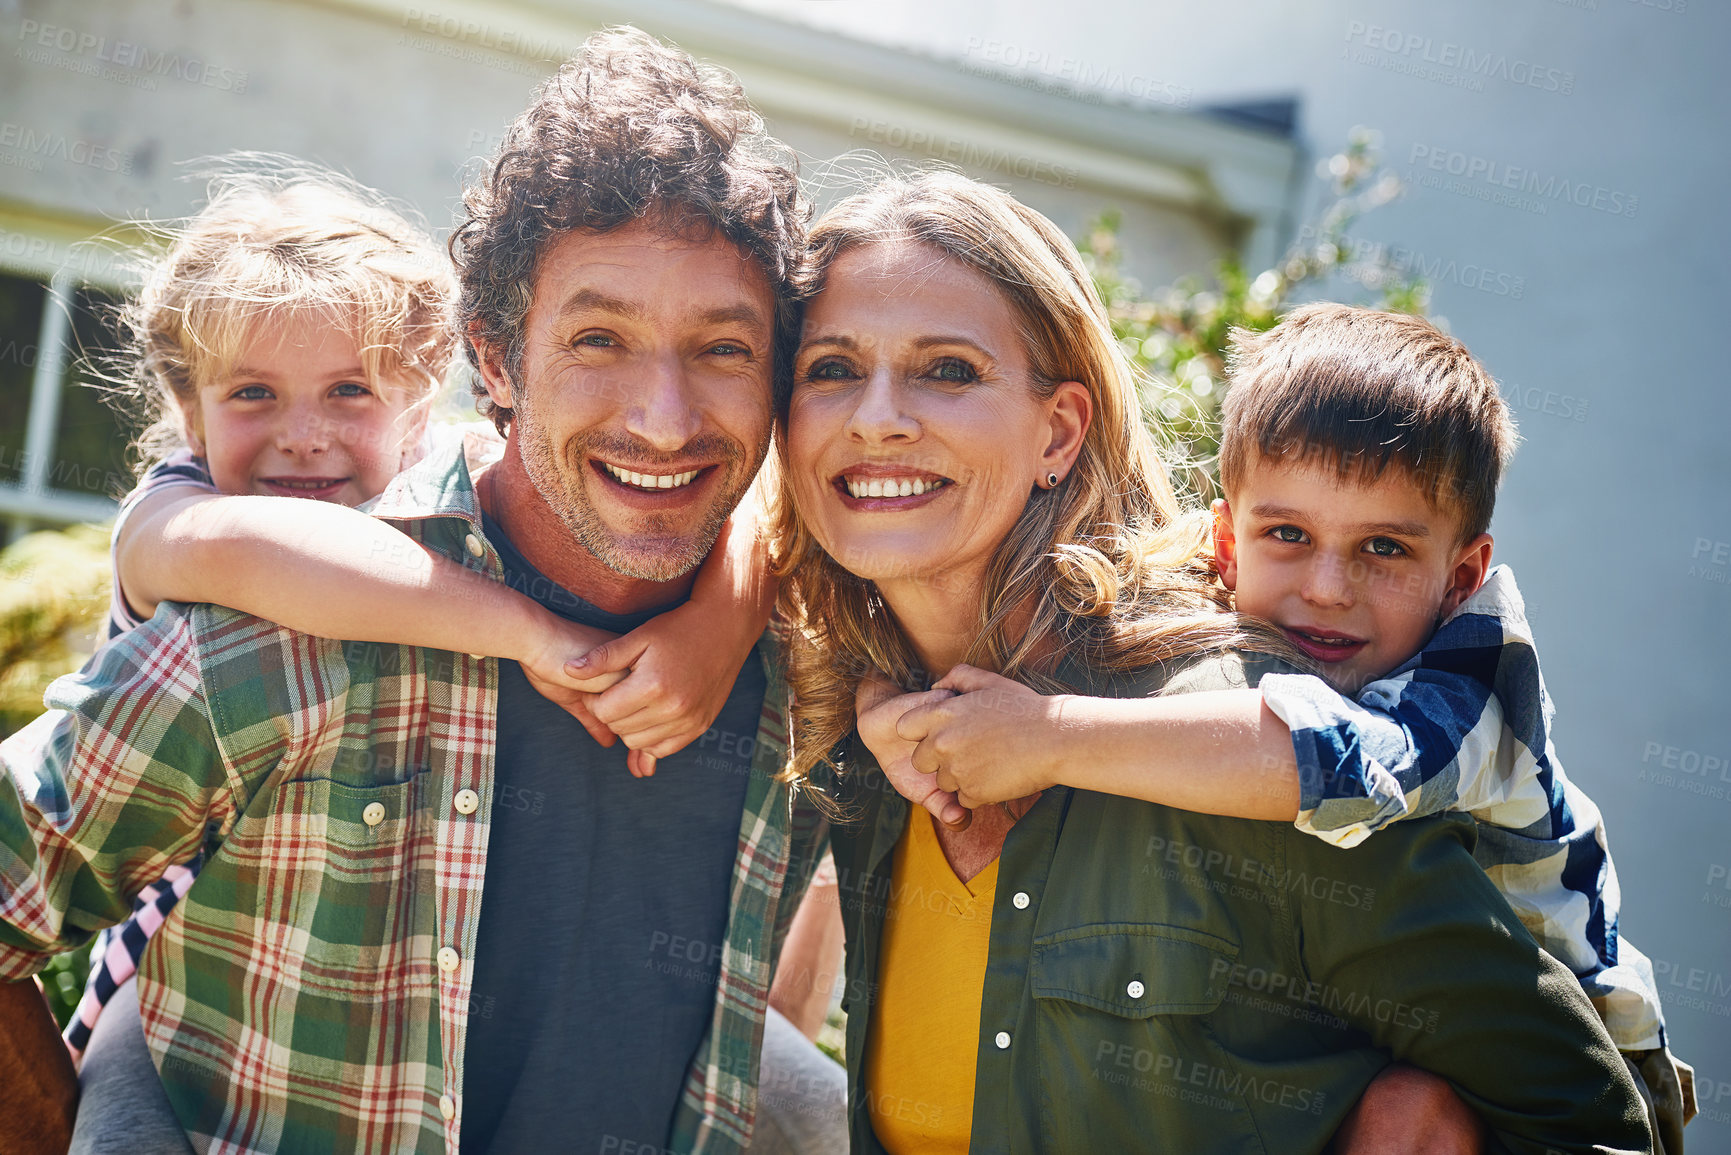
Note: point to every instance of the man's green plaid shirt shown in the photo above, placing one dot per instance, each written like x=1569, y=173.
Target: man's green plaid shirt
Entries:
x=311, y=992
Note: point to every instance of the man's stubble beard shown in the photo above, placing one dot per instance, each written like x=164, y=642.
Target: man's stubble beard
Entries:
x=566, y=493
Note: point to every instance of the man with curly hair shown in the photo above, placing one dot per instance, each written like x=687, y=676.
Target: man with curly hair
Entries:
x=438, y=915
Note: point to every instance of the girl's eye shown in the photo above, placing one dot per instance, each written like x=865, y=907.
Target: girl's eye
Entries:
x=351, y=389
x=952, y=369
x=1384, y=547
x=251, y=393
x=1287, y=533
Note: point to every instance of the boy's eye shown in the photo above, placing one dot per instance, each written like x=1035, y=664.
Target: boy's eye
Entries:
x=952, y=369
x=251, y=393
x=1384, y=547
x=1287, y=533
x=351, y=389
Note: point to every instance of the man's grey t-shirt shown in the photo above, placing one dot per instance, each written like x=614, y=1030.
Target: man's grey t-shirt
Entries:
x=603, y=914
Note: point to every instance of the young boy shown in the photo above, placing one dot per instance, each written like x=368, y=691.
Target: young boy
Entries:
x=1360, y=455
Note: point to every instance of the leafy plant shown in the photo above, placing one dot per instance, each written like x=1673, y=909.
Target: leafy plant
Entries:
x=1177, y=337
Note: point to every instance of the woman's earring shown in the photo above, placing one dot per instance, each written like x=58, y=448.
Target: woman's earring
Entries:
x=1051, y=480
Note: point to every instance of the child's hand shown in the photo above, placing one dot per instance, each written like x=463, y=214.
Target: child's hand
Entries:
x=989, y=739
x=672, y=681
x=879, y=706
x=546, y=669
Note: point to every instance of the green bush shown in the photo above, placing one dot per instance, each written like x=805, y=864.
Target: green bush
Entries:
x=1178, y=336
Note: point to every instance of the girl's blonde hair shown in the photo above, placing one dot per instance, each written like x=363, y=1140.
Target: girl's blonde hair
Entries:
x=1114, y=568
x=278, y=237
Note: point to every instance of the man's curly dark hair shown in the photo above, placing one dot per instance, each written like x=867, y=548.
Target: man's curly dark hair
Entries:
x=628, y=128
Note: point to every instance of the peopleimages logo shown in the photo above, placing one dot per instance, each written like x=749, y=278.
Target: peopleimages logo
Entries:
x=1448, y=62
x=1528, y=189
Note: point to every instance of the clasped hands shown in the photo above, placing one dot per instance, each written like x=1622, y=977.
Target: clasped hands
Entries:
x=973, y=739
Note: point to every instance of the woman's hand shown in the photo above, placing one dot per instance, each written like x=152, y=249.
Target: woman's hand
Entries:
x=988, y=740
x=879, y=706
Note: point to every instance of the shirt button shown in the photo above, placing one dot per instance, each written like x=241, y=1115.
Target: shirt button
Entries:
x=466, y=802
x=1003, y=1040
x=473, y=545
x=1020, y=901
x=447, y=1107
x=449, y=959
x=1135, y=989
x=373, y=814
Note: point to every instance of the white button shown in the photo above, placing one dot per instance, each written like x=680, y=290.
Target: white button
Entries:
x=447, y=1107
x=1135, y=989
x=1020, y=901
x=373, y=814
x=479, y=657
x=448, y=959
x=1003, y=1040
x=473, y=545
x=466, y=802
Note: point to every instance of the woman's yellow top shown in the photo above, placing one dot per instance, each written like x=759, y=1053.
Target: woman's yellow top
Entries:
x=919, y=1077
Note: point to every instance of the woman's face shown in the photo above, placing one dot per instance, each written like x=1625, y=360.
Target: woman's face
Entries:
x=914, y=435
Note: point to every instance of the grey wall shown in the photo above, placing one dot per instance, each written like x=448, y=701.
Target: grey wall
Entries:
x=1617, y=516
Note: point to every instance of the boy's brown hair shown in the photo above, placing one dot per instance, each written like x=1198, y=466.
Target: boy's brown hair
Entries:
x=1362, y=390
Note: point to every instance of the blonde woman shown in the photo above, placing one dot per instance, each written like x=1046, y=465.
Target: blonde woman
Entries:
x=967, y=479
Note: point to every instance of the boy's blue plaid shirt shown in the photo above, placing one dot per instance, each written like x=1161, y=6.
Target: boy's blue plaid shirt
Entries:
x=1466, y=725
x=306, y=995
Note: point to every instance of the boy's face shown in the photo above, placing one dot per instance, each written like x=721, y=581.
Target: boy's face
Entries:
x=1356, y=574
x=296, y=417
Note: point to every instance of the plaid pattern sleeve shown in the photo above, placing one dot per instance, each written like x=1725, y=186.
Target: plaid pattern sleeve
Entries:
x=1466, y=725
x=104, y=793
x=311, y=989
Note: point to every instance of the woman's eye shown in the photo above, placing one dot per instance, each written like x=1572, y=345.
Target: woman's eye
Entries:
x=1287, y=533
x=828, y=369
x=1384, y=547
x=351, y=389
x=729, y=349
x=951, y=369
x=251, y=393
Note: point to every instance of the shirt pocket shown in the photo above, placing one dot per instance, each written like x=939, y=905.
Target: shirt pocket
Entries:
x=329, y=881
x=1126, y=1053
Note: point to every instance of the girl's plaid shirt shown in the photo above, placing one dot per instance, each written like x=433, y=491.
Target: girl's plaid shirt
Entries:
x=314, y=990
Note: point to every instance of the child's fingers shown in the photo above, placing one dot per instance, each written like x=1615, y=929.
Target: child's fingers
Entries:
x=614, y=657
x=593, y=683
x=922, y=713
x=965, y=679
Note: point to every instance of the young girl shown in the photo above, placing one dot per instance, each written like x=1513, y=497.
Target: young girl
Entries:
x=288, y=345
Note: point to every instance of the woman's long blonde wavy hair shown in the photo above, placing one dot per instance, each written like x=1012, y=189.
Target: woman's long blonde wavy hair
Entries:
x=1115, y=569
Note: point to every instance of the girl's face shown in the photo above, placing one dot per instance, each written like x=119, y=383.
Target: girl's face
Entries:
x=915, y=436
x=296, y=418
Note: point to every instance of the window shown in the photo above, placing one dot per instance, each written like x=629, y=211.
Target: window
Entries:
x=63, y=451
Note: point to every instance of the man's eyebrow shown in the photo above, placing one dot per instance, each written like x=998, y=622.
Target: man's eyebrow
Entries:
x=595, y=301
x=733, y=315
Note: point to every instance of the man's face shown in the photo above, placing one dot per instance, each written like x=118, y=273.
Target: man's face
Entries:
x=643, y=406
x=1356, y=573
